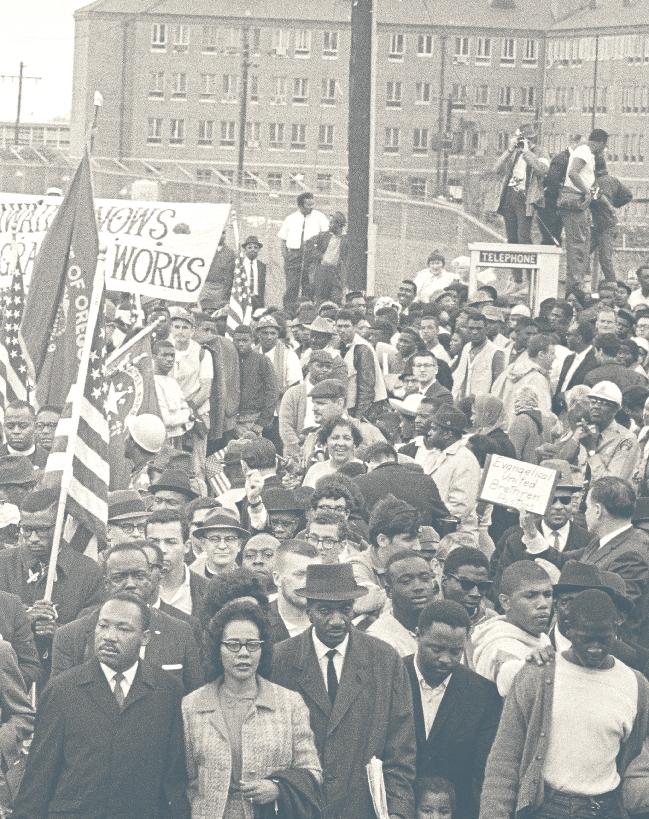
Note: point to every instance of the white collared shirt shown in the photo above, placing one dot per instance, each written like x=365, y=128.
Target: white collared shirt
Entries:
x=323, y=661
x=182, y=598
x=431, y=698
x=297, y=228
x=562, y=643
x=548, y=535
x=25, y=452
x=127, y=682
x=607, y=538
x=572, y=369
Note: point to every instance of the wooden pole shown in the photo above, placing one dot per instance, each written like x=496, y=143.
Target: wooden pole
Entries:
x=77, y=395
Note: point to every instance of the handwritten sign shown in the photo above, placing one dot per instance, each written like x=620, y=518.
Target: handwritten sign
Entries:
x=157, y=249
x=508, y=482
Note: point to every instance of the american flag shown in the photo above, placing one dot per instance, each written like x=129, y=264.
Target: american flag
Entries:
x=240, y=311
x=13, y=368
x=87, y=501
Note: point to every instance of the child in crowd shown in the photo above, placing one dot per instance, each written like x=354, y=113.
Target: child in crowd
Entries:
x=435, y=798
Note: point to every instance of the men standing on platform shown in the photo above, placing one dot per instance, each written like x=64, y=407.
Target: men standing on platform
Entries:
x=299, y=249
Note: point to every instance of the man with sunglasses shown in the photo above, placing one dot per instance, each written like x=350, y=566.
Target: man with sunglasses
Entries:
x=466, y=580
x=556, y=528
x=23, y=571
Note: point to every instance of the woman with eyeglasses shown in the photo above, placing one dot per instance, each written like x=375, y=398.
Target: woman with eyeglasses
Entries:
x=247, y=740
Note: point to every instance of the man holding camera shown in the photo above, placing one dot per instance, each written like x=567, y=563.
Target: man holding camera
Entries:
x=520, y=171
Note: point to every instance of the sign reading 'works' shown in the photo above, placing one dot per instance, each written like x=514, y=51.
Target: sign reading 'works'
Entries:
x=158, y=249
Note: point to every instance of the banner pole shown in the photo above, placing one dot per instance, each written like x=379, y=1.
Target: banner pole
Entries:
x=143, y=332
x=77, y=391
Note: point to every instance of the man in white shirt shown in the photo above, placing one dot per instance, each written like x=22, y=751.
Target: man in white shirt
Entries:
x=580, y=178
x=175, y=412
x=641, y=295
x=456, y=711
x=433, y=278
x=184, y=590
x=299, y=248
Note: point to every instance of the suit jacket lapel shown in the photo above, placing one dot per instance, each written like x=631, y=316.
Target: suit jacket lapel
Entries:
x=598, y=554
x=96, y=686
x=143, y=684
x=352, y=680
x=452, y=699
x=309, y=675
x=418, y=709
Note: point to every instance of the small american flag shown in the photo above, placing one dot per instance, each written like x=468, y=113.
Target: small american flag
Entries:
x=240, y=298
x=13, y=368
x=87, y=500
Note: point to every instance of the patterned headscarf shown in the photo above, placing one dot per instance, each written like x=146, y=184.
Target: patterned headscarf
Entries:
x=488, y=414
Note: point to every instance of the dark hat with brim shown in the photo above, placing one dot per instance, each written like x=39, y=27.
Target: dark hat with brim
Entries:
x=173, y=480
x=615, y=586
x=282, y=500
x=16, y=469
x=578, y=577
x=331, y=582
x=126, y=504
x=221, y=521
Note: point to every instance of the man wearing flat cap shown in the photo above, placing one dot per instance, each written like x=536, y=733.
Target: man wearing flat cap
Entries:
x=358, y=694
x=127, y=516
x=443, y=455
x=255, y=271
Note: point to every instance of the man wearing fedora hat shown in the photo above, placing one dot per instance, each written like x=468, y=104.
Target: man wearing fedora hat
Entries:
x=255, y=271
x=127, y=516
x=358, y=694
x=321, y=333
x=172, y=491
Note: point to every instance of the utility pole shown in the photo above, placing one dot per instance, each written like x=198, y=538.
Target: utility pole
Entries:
x=359, y=141
x=243, y=109
x=595, y=91
x=441, y=117
x=20, y=77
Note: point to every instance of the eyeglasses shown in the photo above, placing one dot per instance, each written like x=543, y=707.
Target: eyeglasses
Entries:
x=322, y=507
x=39, y=530
x=235, y=646
x=156, y=566
x=229, y=540
x=122, y=577
x=482, y=586
x=130, y=528
x=566, y=500
x=327, y=542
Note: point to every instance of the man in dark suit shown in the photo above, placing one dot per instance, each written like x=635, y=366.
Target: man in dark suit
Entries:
x=456, y=710
x=23, y=572
x=255, y=270
x=16, y=630
x=20, y=433
x=108, y=739
x=171, y=647
x=287, y=614
x=168, y=529
x=357, y=691
x=555, y=527
x=425, y=367
x=578, y=364
x=386, y=476
x=617, y=547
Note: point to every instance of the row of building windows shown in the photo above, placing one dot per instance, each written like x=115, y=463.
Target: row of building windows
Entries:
x=563, y=99
x=230, y=40
x=572, y=51
x=227, y=87
x=224, y=134
x=628, y=148
x=506, y=100
x=301, y=43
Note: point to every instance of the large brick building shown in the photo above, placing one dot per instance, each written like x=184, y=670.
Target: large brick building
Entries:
x=171, y=80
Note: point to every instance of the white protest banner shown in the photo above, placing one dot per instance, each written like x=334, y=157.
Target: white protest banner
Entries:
x=509, y=482
x=157, y=249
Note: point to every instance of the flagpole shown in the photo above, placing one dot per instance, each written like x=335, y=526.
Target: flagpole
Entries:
x=142, y=334
x=78, y=387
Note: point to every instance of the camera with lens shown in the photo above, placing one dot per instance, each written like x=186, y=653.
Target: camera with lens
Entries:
x=520, y=144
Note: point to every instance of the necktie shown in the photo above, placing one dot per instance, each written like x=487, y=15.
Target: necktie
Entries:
x=556, y=543
x=332, y=677
x=118, y=691
x=302, y=234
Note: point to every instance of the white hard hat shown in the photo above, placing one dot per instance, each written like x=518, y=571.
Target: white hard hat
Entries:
x=147, y=430
x=607, y=391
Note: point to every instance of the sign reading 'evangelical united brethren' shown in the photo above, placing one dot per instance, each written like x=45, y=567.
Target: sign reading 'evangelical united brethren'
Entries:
x=158, y=249
x=508, y=482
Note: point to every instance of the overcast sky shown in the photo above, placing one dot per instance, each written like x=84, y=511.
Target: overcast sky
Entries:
x=41, y=34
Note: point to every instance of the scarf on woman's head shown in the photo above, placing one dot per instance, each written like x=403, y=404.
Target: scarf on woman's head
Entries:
x=488, y=414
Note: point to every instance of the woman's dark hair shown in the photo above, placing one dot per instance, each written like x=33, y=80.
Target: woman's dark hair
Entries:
x=481, y=446
x=228, y=586
x=328, y=427
x=213, y=637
